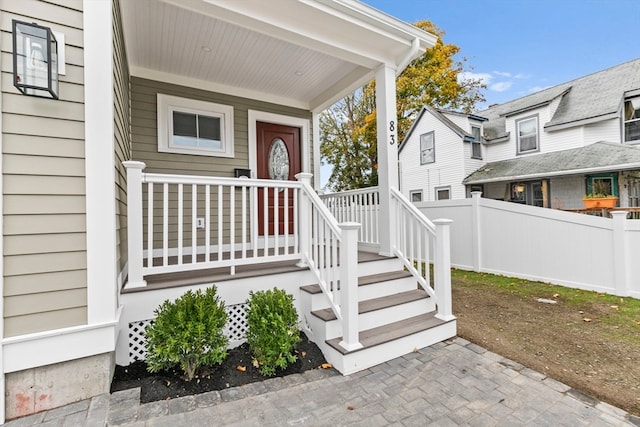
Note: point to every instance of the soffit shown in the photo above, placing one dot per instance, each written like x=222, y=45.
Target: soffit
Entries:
x=302, y=53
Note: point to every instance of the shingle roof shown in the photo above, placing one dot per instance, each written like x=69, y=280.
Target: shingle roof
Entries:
x=598, y=157
x=589, y=97
x=444, y=119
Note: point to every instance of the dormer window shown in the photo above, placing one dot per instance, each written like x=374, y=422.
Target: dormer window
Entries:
x=632, y=120
x=527, y=135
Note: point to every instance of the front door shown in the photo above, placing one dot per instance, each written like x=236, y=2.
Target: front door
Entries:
x=278, y=157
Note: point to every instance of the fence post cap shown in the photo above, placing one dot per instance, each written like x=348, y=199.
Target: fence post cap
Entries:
x=134, y=164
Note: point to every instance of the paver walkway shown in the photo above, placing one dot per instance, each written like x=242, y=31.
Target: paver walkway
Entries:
x=449, y=384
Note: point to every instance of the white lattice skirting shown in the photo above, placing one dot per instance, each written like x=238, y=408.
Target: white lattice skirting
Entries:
x=235, y=330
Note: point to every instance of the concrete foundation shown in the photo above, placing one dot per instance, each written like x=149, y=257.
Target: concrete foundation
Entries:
x=47, y=387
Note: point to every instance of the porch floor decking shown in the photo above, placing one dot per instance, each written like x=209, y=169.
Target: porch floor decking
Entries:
x=193, y=277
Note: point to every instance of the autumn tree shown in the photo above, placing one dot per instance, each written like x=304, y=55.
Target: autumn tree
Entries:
x=348, y=128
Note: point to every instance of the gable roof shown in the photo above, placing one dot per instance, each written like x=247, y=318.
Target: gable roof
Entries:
x=444, y=119
x=587, y=99
x=599, y=157
x=306, y=54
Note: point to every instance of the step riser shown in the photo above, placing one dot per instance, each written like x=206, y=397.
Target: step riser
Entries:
x=366, y=358
x=378, y=267
x=370, y=291
x=381, y=317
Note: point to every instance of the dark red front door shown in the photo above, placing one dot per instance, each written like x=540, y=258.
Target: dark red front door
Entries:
x=278, y=157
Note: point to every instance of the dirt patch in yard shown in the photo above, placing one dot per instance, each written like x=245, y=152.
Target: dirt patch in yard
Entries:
x=573, y=336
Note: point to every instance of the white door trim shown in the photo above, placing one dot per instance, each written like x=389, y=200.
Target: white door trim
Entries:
x=278, y=119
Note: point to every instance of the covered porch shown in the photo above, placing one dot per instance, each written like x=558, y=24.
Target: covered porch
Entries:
x=226, y=209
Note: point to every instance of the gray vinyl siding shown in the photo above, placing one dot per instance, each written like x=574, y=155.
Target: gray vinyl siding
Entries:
x=145, y=134
x=44, y=183
x=122, y=137
x=145, y=148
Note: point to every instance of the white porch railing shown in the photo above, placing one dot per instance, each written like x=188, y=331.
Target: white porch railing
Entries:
x=413, y=239
x=361, y=206
x=196, y=222
x=179, y=223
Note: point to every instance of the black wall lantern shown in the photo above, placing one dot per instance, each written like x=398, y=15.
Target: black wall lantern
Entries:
x=35, y=60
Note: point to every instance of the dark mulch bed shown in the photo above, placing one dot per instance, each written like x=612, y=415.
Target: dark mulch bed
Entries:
x=170, y=384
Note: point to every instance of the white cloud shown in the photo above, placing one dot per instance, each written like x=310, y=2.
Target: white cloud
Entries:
x=522, y=76
x=502, y=73
x=501, y=86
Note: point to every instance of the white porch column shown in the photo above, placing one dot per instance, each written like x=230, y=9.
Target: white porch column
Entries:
x=349, y=286
x=387, y=151
x=442, y=269
x=134, y=223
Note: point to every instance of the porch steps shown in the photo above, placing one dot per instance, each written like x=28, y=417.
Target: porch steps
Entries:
x=395, y=317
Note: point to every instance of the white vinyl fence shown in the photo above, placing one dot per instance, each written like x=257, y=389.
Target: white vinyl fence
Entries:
x=570, y=249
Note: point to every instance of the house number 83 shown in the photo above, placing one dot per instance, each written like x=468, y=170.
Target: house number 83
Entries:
x=392, y=128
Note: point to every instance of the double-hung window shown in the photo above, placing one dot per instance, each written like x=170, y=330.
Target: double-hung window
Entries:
x=476, y=144
x=527, y=135
x=632, y=120
x=188, y=126
x=427, y=148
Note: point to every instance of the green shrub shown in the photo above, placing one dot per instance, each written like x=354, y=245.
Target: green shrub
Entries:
x=272, y=332
x=187, y=332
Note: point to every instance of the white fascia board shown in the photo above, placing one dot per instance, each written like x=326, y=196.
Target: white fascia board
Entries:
x=380, y=20
x=45, y=348
x=146, y=73
x=583, y=171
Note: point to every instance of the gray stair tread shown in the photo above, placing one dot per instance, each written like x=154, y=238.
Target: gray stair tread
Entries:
x=392, y=331
x=377, y=303
x=364, y=280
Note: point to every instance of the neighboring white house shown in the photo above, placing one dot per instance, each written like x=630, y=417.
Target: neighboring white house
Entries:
x=547, y=149
x=174, y=149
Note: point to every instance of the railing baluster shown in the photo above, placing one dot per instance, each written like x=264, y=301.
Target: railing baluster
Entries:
x=276, y=221
x=220, y=214
x=232, y=227
x=180, y=223
x=244, y=222
x=150, y=224
x=207, y=222
x=286, y=221
x=165, y=224
x=194, y=216
x=265, y=209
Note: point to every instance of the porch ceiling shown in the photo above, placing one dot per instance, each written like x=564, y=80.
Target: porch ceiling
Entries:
x=303, y=53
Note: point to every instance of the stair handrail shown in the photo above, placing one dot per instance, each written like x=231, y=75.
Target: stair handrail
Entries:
x=411, y=242
x=312, y=253
x=330, y=250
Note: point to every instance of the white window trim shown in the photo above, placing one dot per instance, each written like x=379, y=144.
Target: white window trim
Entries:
x=476, y=142
x=167, y=104
x=412, y=192
x=433, y=148
x=518, y=122
x=436, y=190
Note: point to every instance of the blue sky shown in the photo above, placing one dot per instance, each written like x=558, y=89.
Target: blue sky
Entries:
x=521, y=46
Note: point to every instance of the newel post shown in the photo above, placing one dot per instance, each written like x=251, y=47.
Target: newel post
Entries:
x=304, y=219
x=134, y=223
x=349, y=285
x=442, y=273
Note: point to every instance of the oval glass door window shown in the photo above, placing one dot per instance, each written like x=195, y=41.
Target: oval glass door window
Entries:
x=278, y=160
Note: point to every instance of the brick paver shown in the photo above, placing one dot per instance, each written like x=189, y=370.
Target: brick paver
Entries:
x=449, y=384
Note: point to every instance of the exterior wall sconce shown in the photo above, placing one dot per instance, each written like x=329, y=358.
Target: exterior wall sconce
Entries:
x=520, y=188
x=35, y=60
